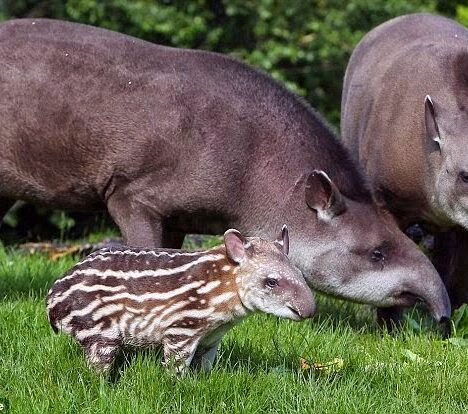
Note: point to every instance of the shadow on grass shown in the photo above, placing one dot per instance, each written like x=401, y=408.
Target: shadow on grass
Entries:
x=231, y=359
x=339, y=313
x=234, y=359
x=25, y=276
x=363, y=318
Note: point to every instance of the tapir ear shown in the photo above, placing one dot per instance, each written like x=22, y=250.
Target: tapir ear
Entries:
x=236, y=246
x=283, y=240
x=323, y=196
x=432, y=128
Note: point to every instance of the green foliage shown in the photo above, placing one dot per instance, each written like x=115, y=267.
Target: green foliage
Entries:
x=462, y=14
x=460, y=321
x=62, y=221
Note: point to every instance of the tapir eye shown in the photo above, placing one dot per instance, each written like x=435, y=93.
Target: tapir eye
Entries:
x=463, y=176
x=270, y=282
x=377, y=256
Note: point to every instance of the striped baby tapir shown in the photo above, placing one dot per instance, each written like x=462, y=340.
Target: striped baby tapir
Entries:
x=184, y=301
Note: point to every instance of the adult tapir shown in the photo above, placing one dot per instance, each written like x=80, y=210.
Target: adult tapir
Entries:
x=173, y=141
x=405, y=118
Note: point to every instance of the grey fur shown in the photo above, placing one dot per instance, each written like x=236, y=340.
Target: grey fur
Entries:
x=405, y=118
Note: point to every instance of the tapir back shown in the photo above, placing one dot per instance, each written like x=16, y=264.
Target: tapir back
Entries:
x=85, y=111
x=112, y=282
x=388, y=76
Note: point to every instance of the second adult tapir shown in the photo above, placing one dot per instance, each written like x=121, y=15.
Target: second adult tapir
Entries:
x=405, y=117
x=175, y=141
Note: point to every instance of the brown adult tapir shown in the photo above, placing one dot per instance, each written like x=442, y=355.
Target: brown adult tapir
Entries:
x=405, y=118
x=175, y=141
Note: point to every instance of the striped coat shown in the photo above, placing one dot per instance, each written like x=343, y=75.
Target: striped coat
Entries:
x=184, y=301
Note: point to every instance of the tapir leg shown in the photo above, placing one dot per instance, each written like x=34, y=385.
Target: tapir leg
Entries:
x=451, y=260
x=140, y=226
x=460, y=294
x=179, y=352
x=204, y=358
x=444, y=258
x=101, y=353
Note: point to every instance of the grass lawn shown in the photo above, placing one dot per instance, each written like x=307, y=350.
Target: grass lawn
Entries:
x=258, y=368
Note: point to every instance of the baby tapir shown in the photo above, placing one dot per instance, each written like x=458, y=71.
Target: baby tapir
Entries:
x=184, y=301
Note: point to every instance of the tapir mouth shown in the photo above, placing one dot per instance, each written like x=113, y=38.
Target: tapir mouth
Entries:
x=295, y=312
x=407, y=299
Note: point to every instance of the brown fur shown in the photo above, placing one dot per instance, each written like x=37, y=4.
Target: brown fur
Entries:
x=184, y=301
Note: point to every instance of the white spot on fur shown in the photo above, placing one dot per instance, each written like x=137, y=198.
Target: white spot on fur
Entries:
x=190, y=313
x=153, y=296
x=181, y=331
x=110, y=333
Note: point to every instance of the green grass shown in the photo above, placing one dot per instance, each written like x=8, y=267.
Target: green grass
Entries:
x=258, y=370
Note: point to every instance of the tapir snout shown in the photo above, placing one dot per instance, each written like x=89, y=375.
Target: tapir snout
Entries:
x=421, y=284
x=304, y=303
x=434, y=294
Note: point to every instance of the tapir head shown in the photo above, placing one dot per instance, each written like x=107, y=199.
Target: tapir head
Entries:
x=356, y=251
x=446, y=127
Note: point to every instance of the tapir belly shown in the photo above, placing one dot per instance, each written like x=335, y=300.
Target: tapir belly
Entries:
x=69, y=194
